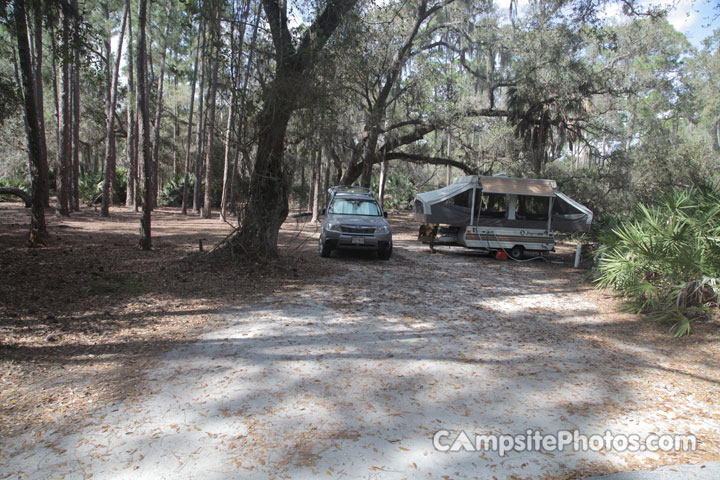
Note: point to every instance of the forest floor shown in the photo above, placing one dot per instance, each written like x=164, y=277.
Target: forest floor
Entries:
x=118, y=363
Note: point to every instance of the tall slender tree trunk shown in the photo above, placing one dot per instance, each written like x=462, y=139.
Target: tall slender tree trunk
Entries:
x=226, y=164
x=158, y=118
x=448, y=171
x=131, y=146
x=63, y=173
x=144, y=154
x=197, y=187
x=316, y=186
x=243, y=100
x=108, y=190
x=207, y=204
x=383, y=179
x=43, y=169
x=233, y=180
x=311, y=191
x=76, y=112
x=230, y=122
x=56, y=99
x=235, y=60
x=175, y=133
x=33, y=130
x=190, y=119
x=140, y=166
x=18, y=81
x=328, y=160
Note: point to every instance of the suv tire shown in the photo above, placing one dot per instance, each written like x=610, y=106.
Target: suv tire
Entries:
x=385, y=253
x=323, y=249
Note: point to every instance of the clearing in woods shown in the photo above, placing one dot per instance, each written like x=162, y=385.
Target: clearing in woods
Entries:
x=172, y=364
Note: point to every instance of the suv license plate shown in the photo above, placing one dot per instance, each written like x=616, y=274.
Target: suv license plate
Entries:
x=358, y=240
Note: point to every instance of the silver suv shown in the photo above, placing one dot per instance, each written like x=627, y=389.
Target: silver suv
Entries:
x=354, y=220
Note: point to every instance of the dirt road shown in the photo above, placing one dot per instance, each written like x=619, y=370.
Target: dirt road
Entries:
x=352, y=376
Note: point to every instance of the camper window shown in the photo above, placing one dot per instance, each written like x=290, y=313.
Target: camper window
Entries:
x=532, y=208
x=494, y=205
x=461, y=199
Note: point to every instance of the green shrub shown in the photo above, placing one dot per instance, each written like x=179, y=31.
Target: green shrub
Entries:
x=121, y=182
x=172, y=192
x=90, y=186
x=17, y=182
x=399, y=191
x=665, y=259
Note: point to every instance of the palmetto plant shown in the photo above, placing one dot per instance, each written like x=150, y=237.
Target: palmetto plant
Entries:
x=665, y=260
x=90, y=187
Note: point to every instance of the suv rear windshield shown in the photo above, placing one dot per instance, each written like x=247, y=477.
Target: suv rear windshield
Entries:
x=353, y=206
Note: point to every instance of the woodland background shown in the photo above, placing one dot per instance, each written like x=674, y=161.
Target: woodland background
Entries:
x=251, y=105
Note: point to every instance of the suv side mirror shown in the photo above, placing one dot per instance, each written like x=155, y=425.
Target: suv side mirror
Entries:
x=385, y=214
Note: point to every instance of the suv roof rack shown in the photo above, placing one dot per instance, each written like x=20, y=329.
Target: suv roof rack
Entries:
x=352, y=189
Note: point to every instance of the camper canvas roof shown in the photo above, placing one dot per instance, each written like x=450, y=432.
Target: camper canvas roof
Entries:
x=441, y=206
x=511, y=185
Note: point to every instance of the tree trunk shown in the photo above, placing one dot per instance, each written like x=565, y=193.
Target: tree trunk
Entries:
x=267, y=206
x=197, y=187
x=144, y=154
x=328, y=163
x=43, y=169
x=140, y=165
x=190, y=120
x=215, y=52
x=448, y=172
x=317, y=168
x=109, y=190
x=226, y=163
x=131, y=145
x=175, y=133
x=311, y=191
x=76, y=113
x=233, y=180
x=33, y=131
x=383, y=179
x=21, y=194
x=241, y=119
x=18, y=81
x=63, y=177
x=235, y=59
x=56, y=102
x=158, y=119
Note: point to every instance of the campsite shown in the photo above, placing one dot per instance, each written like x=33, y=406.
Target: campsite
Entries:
x=355, y=239
x=307, y=365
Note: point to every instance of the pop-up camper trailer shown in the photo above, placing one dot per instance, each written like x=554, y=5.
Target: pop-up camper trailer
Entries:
x=494, y=213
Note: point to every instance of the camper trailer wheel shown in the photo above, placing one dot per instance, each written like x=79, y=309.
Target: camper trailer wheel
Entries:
x=516, y=252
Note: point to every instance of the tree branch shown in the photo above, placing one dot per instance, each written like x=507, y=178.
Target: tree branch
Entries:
x=18, y=193
x=412, y=158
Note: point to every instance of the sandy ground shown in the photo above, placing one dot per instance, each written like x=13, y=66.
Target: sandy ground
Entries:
x=350, y=375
